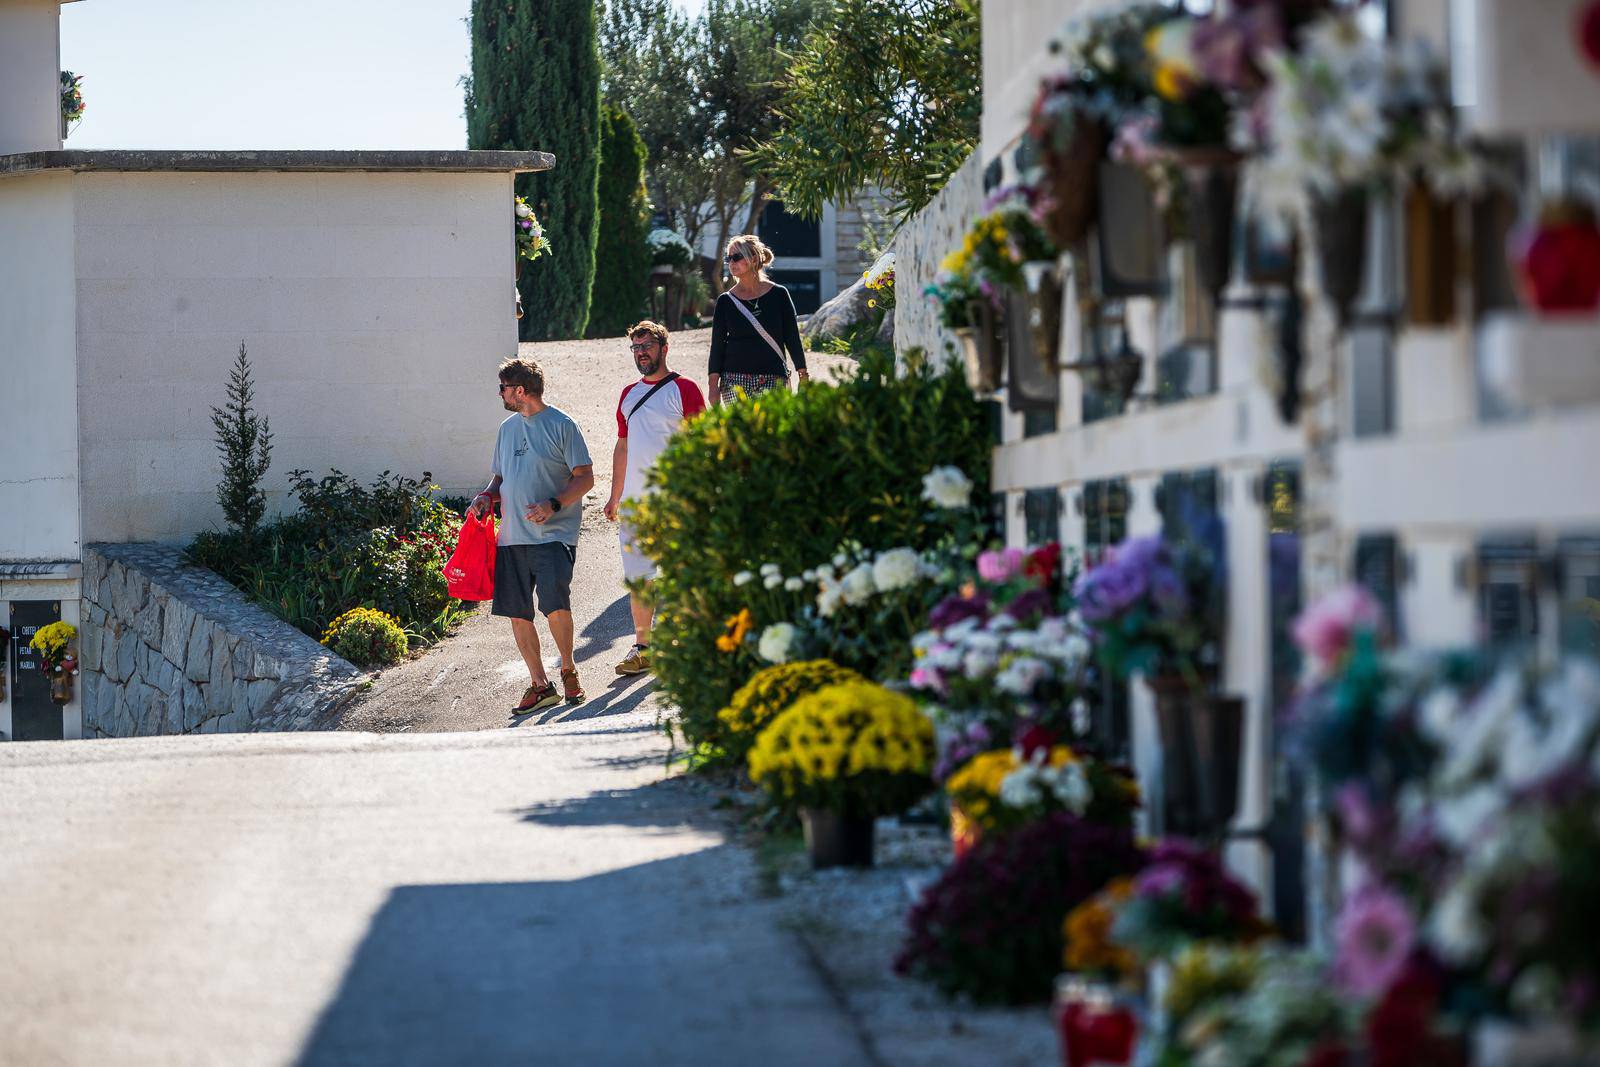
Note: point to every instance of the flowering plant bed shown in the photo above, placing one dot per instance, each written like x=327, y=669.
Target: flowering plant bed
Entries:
x=1003, y=789
x=771, y=691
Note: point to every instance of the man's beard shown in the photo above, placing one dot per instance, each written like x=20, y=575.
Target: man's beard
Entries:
x=648, y=366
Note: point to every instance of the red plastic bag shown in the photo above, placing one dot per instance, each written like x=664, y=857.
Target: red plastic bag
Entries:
x=469, y=573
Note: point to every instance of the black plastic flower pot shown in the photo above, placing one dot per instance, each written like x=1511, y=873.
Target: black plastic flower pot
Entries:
x=1202, y=735
x=1340, y=225
x=837, y=840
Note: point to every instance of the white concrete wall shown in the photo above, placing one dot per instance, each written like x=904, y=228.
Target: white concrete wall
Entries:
x=1016, y=34
x=38, y=371
x=30, y=75
x=374, y=306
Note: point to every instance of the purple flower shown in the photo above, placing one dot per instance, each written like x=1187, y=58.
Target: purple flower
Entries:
x=1167, y=590
x=526, y=225
x=952, y=609
x=1374, y=933
x=1033, y=602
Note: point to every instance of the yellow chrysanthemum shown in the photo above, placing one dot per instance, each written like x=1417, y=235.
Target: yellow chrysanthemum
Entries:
x=839, y=734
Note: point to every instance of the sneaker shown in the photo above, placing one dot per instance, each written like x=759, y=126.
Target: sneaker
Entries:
x=635, y=662
x=538, y=697
x=569, y=682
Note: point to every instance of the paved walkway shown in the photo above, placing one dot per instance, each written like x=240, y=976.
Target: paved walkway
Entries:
x=531, y=895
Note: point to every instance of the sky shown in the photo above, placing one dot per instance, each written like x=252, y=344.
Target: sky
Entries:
x=241, y=74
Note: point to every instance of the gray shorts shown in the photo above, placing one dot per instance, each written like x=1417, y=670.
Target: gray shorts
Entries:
x=521, y=571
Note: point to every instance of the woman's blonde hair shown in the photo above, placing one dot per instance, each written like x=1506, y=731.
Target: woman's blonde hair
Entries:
x=750, y=246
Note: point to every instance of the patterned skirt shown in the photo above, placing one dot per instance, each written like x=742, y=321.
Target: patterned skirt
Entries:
x=752, y=384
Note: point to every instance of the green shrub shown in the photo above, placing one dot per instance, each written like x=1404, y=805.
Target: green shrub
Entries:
x=535, y=84
x=622, y=256
x=770, y=691
x=367, y=638
x=382, y=545
x=784, y=479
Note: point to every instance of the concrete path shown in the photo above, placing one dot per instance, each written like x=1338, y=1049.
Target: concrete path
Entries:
x=533, y=895
x=516, y=897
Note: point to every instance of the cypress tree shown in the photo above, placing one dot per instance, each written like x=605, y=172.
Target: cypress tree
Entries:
x=535, y=84
x=622, y=258
x=244, y=439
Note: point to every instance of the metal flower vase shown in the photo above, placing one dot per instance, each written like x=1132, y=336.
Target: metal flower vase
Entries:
x=1131, y=235
x=1041, y=300
x=1339, y=225
x=1431, y=258
x=1212, y=181
x=982, y=349
x=1202, y=737
x=834, y=839
x=1072, y=174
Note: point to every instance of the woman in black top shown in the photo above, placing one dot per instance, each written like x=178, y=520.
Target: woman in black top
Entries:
x=741, y=358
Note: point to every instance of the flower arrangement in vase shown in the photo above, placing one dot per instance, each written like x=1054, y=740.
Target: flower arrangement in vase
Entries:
x=53, y=642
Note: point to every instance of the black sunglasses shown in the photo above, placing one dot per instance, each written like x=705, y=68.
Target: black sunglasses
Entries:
x=734, y=258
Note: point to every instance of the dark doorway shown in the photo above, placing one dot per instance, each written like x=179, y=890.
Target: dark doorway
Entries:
x=33, y=716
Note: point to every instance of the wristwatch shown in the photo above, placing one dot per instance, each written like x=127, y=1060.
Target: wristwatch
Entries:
x=555, y=505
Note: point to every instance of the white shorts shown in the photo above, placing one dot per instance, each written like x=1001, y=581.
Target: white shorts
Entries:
x=635, y=564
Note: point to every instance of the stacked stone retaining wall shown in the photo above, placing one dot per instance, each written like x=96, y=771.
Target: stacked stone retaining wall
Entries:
x=170, y=648
x=919, y=246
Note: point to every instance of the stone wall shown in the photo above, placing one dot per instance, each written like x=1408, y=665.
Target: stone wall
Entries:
x=921, y=244
x=869, y=209
x=169, y=648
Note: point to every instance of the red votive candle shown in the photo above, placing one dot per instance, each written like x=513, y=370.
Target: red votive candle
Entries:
x=1095, y=1028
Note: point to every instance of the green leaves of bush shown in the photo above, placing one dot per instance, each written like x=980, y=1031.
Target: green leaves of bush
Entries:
x=348, y=545
x=785, y=479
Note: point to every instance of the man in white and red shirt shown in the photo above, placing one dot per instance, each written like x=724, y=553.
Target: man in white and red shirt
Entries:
x=649, y=412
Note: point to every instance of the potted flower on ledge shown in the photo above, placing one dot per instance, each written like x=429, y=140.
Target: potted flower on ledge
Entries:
x=1154, y=607
x=843, y=756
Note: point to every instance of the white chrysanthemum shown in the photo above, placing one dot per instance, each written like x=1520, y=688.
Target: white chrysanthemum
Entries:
x=1461, y=819
x=777, y=642
x=1021, y=675
x=743, y=578
x=1070, y=786
x=1458, y=931
x=1022, y=788
x=793, y=584
x=947, y=487
x=523, y=211
x=770, y=569
x=840, y=560
x=809, y=574
x=828, y=600
x=857, y=586
x=772, y=581
x=895, y=569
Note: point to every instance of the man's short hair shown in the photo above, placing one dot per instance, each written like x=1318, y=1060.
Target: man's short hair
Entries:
x=523, y=372
x=654, y=329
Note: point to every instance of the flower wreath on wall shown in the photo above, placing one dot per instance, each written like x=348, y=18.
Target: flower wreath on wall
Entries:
x=531, y=241
x=71, y=100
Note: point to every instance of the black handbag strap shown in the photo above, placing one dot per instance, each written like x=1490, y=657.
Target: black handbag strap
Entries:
x=672, y=376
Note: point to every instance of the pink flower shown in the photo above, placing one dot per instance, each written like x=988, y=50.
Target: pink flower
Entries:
x=1324, y=630
x=1000, y=566
x=1374, y=935
x=924, y=678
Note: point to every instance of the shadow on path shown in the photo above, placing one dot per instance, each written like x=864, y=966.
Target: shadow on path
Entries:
x=615, y=621
x=616, y=968
x=623, y=695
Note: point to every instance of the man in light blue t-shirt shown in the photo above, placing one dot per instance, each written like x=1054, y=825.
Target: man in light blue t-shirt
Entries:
x=541, y=470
